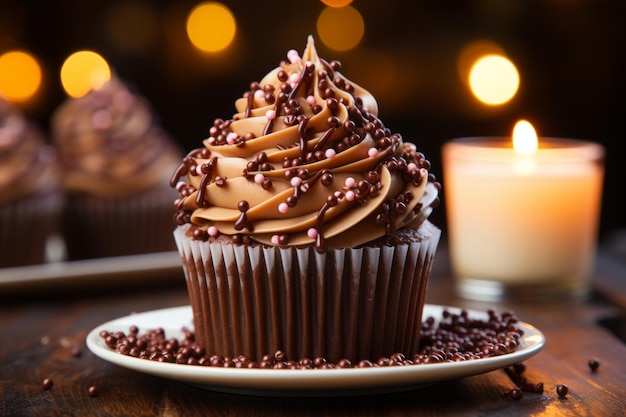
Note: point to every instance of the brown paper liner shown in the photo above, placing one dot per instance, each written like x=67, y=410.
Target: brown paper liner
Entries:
x=25, y=226
x=347, y=303
x=95, y=227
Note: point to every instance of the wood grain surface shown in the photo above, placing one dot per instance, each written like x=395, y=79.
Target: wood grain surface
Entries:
x=43, y=336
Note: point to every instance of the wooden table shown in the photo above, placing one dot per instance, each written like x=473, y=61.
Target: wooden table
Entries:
x=43, y=336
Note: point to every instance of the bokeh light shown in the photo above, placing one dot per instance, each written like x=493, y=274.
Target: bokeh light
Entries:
x=336, y=3
x=473, y=51
x=494, y=79
x=211, y=26
x=132, y=26
x=20, y=76
x=83, y=71
x=341, y=29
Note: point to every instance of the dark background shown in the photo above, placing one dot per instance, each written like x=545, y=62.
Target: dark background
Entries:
x=571, y=55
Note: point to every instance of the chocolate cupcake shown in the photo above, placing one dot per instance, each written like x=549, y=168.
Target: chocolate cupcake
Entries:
x=30, y=196
x=302, y=222
x=116, y=160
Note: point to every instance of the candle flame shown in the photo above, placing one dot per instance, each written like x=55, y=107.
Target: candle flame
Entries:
x=525, y=140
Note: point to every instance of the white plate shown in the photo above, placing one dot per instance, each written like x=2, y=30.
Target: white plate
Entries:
x=301, y=383
x=92, y=272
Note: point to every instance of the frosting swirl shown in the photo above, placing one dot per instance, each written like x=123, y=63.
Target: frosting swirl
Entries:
x=304, y=161
x=110, y=144
x=27, y=162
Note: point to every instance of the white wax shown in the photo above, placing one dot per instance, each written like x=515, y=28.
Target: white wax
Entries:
x=522, y=219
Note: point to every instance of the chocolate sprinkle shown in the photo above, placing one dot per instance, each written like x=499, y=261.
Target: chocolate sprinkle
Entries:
x=47, y=384
x=516, y=394
x=515, y=373
x=93, y=391
x=456, y=338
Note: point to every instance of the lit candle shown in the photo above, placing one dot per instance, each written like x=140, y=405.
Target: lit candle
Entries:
x=522, y=216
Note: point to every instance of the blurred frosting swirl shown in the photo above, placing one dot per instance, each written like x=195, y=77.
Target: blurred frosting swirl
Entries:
x=110, y=144
x=27, y=162
x=304, y=161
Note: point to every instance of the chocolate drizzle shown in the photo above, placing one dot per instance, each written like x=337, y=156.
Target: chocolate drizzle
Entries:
x=302, y=136
x=322, y=142
x=331, y=201
x=283, y=98
x=308, y=68
x=180, y=171
x=249, y=104
x=207, y=174
x=299, y=97
x=243, y=222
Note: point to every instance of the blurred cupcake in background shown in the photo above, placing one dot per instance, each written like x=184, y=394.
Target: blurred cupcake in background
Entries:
x=116, y=160
x=30, y=196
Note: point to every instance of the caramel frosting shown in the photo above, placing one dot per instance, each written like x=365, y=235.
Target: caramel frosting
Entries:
x=27, y=162
x=110, y=144
x=304, y=161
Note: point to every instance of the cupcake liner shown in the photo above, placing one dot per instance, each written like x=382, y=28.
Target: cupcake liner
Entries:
x=95, y=227
x=26, y=225
x=352, y=303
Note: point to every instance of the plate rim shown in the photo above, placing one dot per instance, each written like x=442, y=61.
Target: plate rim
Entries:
x=309, y=382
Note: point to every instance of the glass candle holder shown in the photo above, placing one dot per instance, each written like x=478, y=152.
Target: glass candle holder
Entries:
x=522, y=226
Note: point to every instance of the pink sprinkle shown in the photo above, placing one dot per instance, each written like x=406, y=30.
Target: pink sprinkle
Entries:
x=275, y=239
x=350, y=195
x=259, y=178
x=412, y=167
x=294, y=78
x=259, y=93
x=350, y=182
x=199, y=169
x=283, y=207
x=270, y=114
x=310, y=99
x=312, y=233
x=230, y=138
x=293, y=56
x=213, y=231
x=372, y=152
x=330, y=153
x=296, y=181
x=338, y=194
